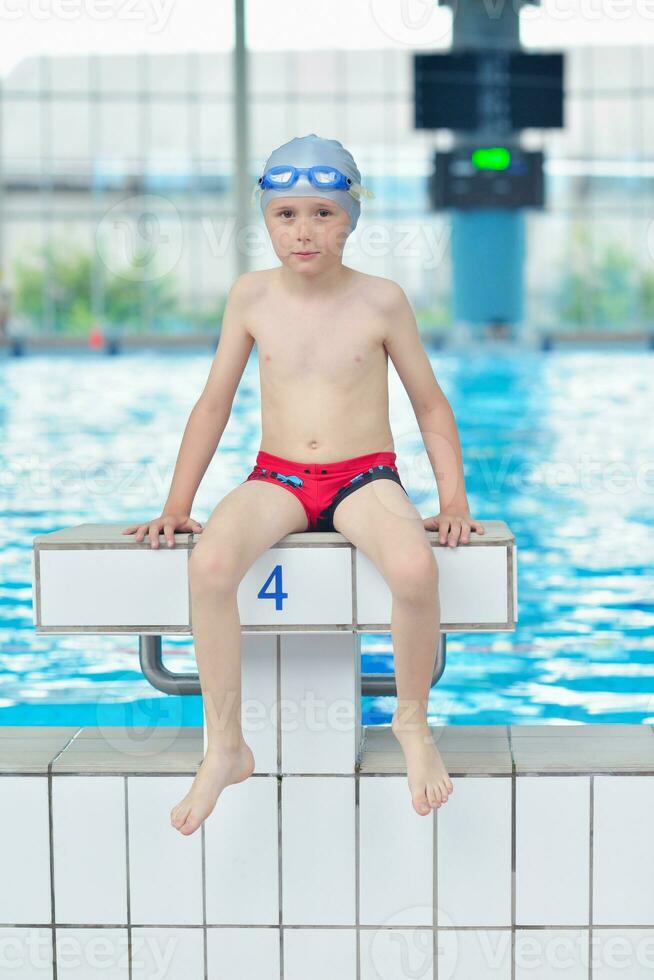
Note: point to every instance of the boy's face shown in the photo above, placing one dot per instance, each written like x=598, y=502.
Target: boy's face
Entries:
x=315, y=225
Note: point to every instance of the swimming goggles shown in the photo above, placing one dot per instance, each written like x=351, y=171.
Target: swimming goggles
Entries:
x=321, y=177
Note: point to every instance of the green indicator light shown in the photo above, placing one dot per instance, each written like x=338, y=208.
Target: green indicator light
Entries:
x=491, y=158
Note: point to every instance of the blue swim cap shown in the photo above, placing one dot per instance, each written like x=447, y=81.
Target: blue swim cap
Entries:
x=311, y=151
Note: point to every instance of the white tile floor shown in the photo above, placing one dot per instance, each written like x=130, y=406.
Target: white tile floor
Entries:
x=520, y=875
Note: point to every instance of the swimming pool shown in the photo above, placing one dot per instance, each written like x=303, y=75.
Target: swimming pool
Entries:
x=558, y=444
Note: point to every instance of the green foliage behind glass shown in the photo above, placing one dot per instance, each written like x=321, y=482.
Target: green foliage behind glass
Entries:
x=53, y=291
x=601, y=285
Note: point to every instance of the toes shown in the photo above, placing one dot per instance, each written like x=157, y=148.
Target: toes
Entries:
x=421, y=804
x=190, y=825
x=433, y=796
x=446, y=788
x=179, y=815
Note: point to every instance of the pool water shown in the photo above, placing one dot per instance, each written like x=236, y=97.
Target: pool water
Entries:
x=558, y=444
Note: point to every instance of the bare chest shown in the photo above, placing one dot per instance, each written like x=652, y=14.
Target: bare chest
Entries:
x=339, y=349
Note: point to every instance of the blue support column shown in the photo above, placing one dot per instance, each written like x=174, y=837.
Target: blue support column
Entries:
x=488, y=248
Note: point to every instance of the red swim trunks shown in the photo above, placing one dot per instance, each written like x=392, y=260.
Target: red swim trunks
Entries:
x=320, y=487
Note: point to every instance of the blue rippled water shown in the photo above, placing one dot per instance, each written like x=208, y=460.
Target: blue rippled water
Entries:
x=560, y=445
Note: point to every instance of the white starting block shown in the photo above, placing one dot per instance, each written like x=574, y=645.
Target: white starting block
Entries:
x=303, y=605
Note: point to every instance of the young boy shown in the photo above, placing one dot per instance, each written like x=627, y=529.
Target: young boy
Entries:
x=324, y=333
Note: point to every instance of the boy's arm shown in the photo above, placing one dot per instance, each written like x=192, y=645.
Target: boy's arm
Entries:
x=433, y=413
x=211, y=412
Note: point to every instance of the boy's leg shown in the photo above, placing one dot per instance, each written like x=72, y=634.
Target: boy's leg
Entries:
x=380, y=520
x=250, y=519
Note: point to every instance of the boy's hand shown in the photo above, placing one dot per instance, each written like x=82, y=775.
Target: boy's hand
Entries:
x=451, y=524
x=168, y=523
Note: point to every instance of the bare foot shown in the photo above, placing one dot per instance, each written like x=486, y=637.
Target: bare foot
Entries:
x=219, y=768
x=428, y=778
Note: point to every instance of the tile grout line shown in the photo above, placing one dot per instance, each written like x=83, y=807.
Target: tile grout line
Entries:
x=435, y=943
x=535, y=926
x=358, y=755
x=53, y=912
x=128, y=896
x=591, y=820
x=278, y=688
x=514, y=824
x=278, y=781
x=357, y=874
x=386, y=774
x=203, y=869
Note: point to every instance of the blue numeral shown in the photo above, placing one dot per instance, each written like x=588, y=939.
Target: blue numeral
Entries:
x=278, y=595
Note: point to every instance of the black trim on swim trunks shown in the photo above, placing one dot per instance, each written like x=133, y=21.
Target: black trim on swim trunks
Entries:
x=325, y=519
